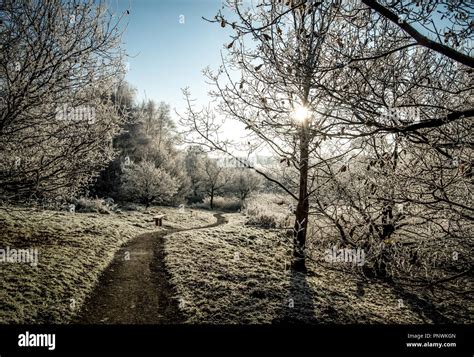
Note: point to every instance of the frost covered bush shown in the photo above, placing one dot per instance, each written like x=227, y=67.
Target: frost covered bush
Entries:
x=268, y=211
x=96, y=205
x=147, y=183
x=228, y=204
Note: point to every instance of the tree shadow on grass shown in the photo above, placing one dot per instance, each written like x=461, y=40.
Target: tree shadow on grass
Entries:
x=422, y=307
x=298, y=306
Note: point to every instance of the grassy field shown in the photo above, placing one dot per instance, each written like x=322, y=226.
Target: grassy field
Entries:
x=235, y=274
x=240, y=274
x=74, y=248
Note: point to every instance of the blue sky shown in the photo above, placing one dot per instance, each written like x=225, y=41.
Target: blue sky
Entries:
x=167, y=55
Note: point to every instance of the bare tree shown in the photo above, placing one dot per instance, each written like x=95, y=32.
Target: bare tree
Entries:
x=316, y=82
x=215, y=179
x=59, y=64
x=195, y=163
x=244, y=182
x=276, y=95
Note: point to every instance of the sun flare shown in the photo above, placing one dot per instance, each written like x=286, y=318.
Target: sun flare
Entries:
x=300, y=113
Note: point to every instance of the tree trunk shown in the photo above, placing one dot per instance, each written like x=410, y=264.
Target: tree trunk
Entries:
x=302, y=209
x=212, y=199
x=386, y=254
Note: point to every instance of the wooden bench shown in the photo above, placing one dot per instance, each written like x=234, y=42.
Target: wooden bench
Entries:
x=159, y=219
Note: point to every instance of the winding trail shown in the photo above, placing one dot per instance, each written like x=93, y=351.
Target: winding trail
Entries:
x=137, y=290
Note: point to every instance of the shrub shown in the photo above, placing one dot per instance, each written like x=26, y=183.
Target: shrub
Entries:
x=96, y=205
x=227, y=204
x=265, y=211
x=148, y=184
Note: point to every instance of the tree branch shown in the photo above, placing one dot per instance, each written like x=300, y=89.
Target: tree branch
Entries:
x=418, y=37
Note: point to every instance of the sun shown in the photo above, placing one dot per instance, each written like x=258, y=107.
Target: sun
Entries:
x=300, y=113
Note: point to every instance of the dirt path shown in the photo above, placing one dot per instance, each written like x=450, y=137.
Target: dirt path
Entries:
x=136, y=291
